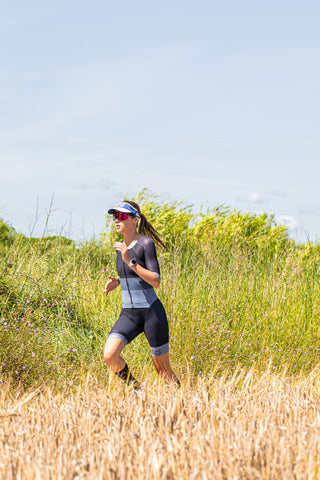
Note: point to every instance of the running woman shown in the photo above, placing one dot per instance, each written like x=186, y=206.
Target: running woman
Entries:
x=142, y=311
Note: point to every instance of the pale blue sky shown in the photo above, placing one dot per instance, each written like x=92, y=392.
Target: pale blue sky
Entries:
x=206, y=102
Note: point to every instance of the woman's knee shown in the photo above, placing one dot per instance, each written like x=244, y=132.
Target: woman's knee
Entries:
x=109, y=356
x=112, y=350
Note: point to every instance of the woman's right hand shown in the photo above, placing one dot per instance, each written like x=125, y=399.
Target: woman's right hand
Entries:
x=111, y=284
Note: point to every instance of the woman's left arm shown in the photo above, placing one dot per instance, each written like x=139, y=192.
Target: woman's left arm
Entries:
x=146, y=275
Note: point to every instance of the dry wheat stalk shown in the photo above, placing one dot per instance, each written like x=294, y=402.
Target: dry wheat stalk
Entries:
x=241, y=428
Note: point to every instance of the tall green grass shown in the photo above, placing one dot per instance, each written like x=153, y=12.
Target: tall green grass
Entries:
x=238, y=293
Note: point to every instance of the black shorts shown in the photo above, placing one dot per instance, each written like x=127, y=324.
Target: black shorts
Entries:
x=152, y=321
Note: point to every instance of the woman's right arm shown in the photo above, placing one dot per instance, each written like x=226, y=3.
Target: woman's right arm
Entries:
x=111, y=284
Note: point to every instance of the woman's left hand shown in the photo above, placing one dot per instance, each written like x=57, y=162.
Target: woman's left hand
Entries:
x=121, y=247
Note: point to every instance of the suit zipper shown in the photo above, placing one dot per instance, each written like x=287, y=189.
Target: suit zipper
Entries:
x=125, y=274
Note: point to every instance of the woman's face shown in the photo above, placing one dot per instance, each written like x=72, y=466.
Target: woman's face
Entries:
x=126, y=226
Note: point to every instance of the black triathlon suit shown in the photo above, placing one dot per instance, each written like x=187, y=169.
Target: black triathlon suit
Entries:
x=142, y=310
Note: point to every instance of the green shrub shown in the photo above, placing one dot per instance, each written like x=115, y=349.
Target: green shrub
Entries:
x=238, y=293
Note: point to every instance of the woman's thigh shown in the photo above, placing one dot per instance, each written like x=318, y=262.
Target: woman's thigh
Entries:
x=156, y=328
x=128, y=326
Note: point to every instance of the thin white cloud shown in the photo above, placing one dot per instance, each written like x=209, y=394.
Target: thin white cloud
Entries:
x=309, y=209
x=102, y=184
x=101, y=94
x=287, y=221
x=8, y=22
x=277, y=193
x=252, y=197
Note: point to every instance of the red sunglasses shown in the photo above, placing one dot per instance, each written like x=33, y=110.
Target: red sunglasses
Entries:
x=120, y=216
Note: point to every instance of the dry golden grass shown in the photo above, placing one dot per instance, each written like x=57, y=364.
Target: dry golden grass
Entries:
x=241, y=428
